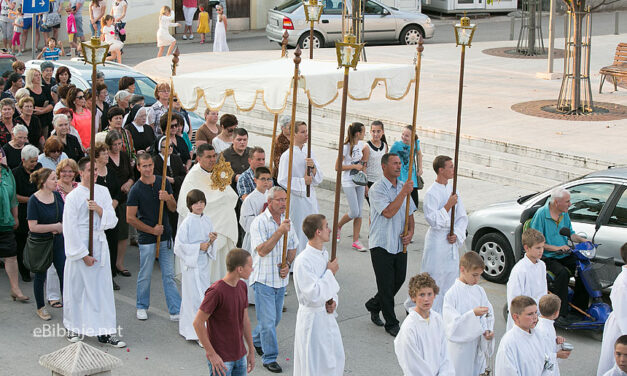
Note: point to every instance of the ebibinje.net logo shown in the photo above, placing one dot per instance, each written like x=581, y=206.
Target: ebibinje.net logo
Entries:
x=57, y=330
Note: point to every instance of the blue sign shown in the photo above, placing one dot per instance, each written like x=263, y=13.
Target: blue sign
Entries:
x=36, y=6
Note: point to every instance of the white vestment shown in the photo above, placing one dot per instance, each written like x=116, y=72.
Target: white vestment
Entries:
x=440, y=258
x=300, y=205
x=251, y=208
x=467, y=347
x=88, y=303
x=420, y=346
x=616, y=324
x=615, y=371
x=526, y=278
x=220, y=207
x=196, y=279
x=521, y=353
x=318, y=348
x=546, y=331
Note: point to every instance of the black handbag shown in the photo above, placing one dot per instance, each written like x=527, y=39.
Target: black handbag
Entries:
x=38, y=251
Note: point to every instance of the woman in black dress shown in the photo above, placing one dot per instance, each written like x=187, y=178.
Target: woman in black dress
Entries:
x=13, y=149
x=71, y=145
x=43, y=100
x=27, y=106
x=143, y=135
x=7, y=109
x=175, y=175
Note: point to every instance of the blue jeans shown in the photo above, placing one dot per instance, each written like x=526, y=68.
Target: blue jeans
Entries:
x=147, y=254
x=268, y=308
x=58, y=260
x=95, y=32
x=234, y=368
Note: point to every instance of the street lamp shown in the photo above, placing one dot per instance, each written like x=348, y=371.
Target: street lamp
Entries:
x=347, y=56
x=464, y=31
x=95, y=53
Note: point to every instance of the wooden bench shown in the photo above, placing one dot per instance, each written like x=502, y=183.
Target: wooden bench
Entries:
x=618, y=70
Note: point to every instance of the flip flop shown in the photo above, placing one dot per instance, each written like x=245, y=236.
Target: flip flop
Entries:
x=55, y=304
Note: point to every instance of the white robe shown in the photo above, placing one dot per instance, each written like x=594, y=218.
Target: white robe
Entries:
x=526, y=278
x=88, y=303
x=464, y=331
x=520, y=353
x=440, y=258
x=615, y=371
x=251, y=208
x=616, y=324
x=546, y=331
x=300, y=205
x=318, y=348
x=220, y=207
x=420, y=346
x=196, y=279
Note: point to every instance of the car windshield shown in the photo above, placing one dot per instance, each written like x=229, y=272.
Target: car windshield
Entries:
x=143, y=86
x=6, y=65
x=289, y=6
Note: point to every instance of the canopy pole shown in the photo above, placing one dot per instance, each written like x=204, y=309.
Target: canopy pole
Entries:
x=175, y=61
x=309, y=170
x=412, y=150
x=297, y=54
x=92, y=157
x=457, y=131
x=276, y=116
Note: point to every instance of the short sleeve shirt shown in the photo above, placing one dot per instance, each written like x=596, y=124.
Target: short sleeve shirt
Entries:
x=226, y=306
x=543, y=222
x=146, y=198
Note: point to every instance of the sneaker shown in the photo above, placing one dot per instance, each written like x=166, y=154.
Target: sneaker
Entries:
x=112, y=341
x=184, y=37
x=142, y=314
x=175, y=317
x=73, y=337
x=191, y=37
x=359, y=247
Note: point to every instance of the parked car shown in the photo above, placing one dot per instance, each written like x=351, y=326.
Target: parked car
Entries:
x=6, y=61
x=144, y=85
x=597, y=199
x=381, y=23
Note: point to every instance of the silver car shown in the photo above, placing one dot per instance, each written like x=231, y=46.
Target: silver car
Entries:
x=599, y=205
x=381, y=23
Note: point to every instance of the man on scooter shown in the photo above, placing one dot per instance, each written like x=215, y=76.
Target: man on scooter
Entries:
x=549, y=219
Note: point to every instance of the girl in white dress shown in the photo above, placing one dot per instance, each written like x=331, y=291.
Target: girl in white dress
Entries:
x=108, y=36
x=219, y=40
x=163, y=34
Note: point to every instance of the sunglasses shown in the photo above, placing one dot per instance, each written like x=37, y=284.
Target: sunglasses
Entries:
x=80, y=97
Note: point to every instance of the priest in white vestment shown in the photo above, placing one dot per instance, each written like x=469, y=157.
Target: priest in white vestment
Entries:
x=192, y=236
x=300, y=205
x=220, y=207
x=441, y=252
x=318, y=348
x=88, y=303
x=616, y=324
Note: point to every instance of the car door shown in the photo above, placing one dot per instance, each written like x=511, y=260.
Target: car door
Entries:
x=379, y=23
x=331, y=21
x=613, y=233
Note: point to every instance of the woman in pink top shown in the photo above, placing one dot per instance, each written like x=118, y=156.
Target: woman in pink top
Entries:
x=81, y=116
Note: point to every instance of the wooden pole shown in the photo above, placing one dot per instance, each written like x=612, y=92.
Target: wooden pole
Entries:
x=459, y=124
x=175, y=61
x=276, y=116
x=297, y=54
x=412, y=150
x=92, y=155
x=338, y=175
x=308, y=170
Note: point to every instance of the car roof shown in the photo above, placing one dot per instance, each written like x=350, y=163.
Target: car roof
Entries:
x=619, y=172
x=110, y=69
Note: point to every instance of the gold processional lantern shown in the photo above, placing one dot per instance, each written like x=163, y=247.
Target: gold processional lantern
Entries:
x=348, y=52
x=464, y=31
x=313, y=10
x=95, y=52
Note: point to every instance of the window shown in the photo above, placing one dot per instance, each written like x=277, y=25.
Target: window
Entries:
x=333, y=7
x=619, y=214
x=373, y=8
x=289, y=6
x=146, y=87
x=587, y=200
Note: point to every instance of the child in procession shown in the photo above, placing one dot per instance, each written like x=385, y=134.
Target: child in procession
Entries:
x=549, y=311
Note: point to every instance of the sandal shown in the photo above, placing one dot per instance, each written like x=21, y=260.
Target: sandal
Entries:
x=55, y=304
x=124, y=273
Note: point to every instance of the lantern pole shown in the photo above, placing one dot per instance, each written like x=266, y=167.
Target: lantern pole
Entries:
x=92, y=153
x=412, y=150
x=276, y=116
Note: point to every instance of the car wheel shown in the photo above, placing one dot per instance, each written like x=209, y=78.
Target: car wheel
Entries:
x=497, y=255
x=411, y=34
x=318, y=41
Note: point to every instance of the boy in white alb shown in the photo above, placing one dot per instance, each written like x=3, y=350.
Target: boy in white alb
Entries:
x=620, y=358
x=420, y=345
x=318, y=348
x=528, y=276
x=521, y=351
x=549, y=311
x=469, y=319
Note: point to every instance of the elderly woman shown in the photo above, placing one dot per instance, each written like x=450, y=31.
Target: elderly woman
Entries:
x=81, y=116
x=116, y=116
x=143, y=135
x=24, y=189
x=121, y=100
x=8, y=222
x=71, y=145
x=45, y=214
x=26, y=106
x=42, y=99
x=53, y=153
x=282, y=143
x=13, y=84
x=6, y=120
x=209, y=129
x=13, y=149
x=175, y=174
x=160, y=107
x=120, y=164
x=47, y=81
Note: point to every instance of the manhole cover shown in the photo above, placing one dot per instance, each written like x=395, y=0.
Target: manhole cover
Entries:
x=603, y=111
x=511, y=52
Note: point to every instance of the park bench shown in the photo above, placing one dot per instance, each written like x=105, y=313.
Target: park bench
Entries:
x=618, y=70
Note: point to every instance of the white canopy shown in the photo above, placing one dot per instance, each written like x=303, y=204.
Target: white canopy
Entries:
x=271, y=81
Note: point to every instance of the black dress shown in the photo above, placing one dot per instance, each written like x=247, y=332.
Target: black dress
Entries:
x=23, y=187
x=123, y=172
x=5, y=134
x=72, y=148
x=113, y=185
x=34, y=130
x=45, y=120
x=14, y=156
x=142, y=140
x=180, y=149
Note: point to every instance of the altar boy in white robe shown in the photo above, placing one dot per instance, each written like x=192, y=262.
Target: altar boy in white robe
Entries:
x=549, y=311
x=469, y=319
x=300, y=205
x=521, y=351
x=194, y=246
x=620, y=358
x=88, y=303
x=420, y=345
x=441, y=251
x=318, y=348
x=528, y=276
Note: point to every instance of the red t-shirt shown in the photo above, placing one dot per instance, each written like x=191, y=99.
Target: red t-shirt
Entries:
x=225, y=305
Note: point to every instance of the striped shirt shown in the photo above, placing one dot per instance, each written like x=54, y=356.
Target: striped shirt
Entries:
x=266, y=268
x=246, y=183
x=51, y=54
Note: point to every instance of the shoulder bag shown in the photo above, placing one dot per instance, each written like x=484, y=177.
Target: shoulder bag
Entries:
x=38, y=251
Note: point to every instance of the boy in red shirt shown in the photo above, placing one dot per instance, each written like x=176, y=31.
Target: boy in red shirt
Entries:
x=224, y=310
